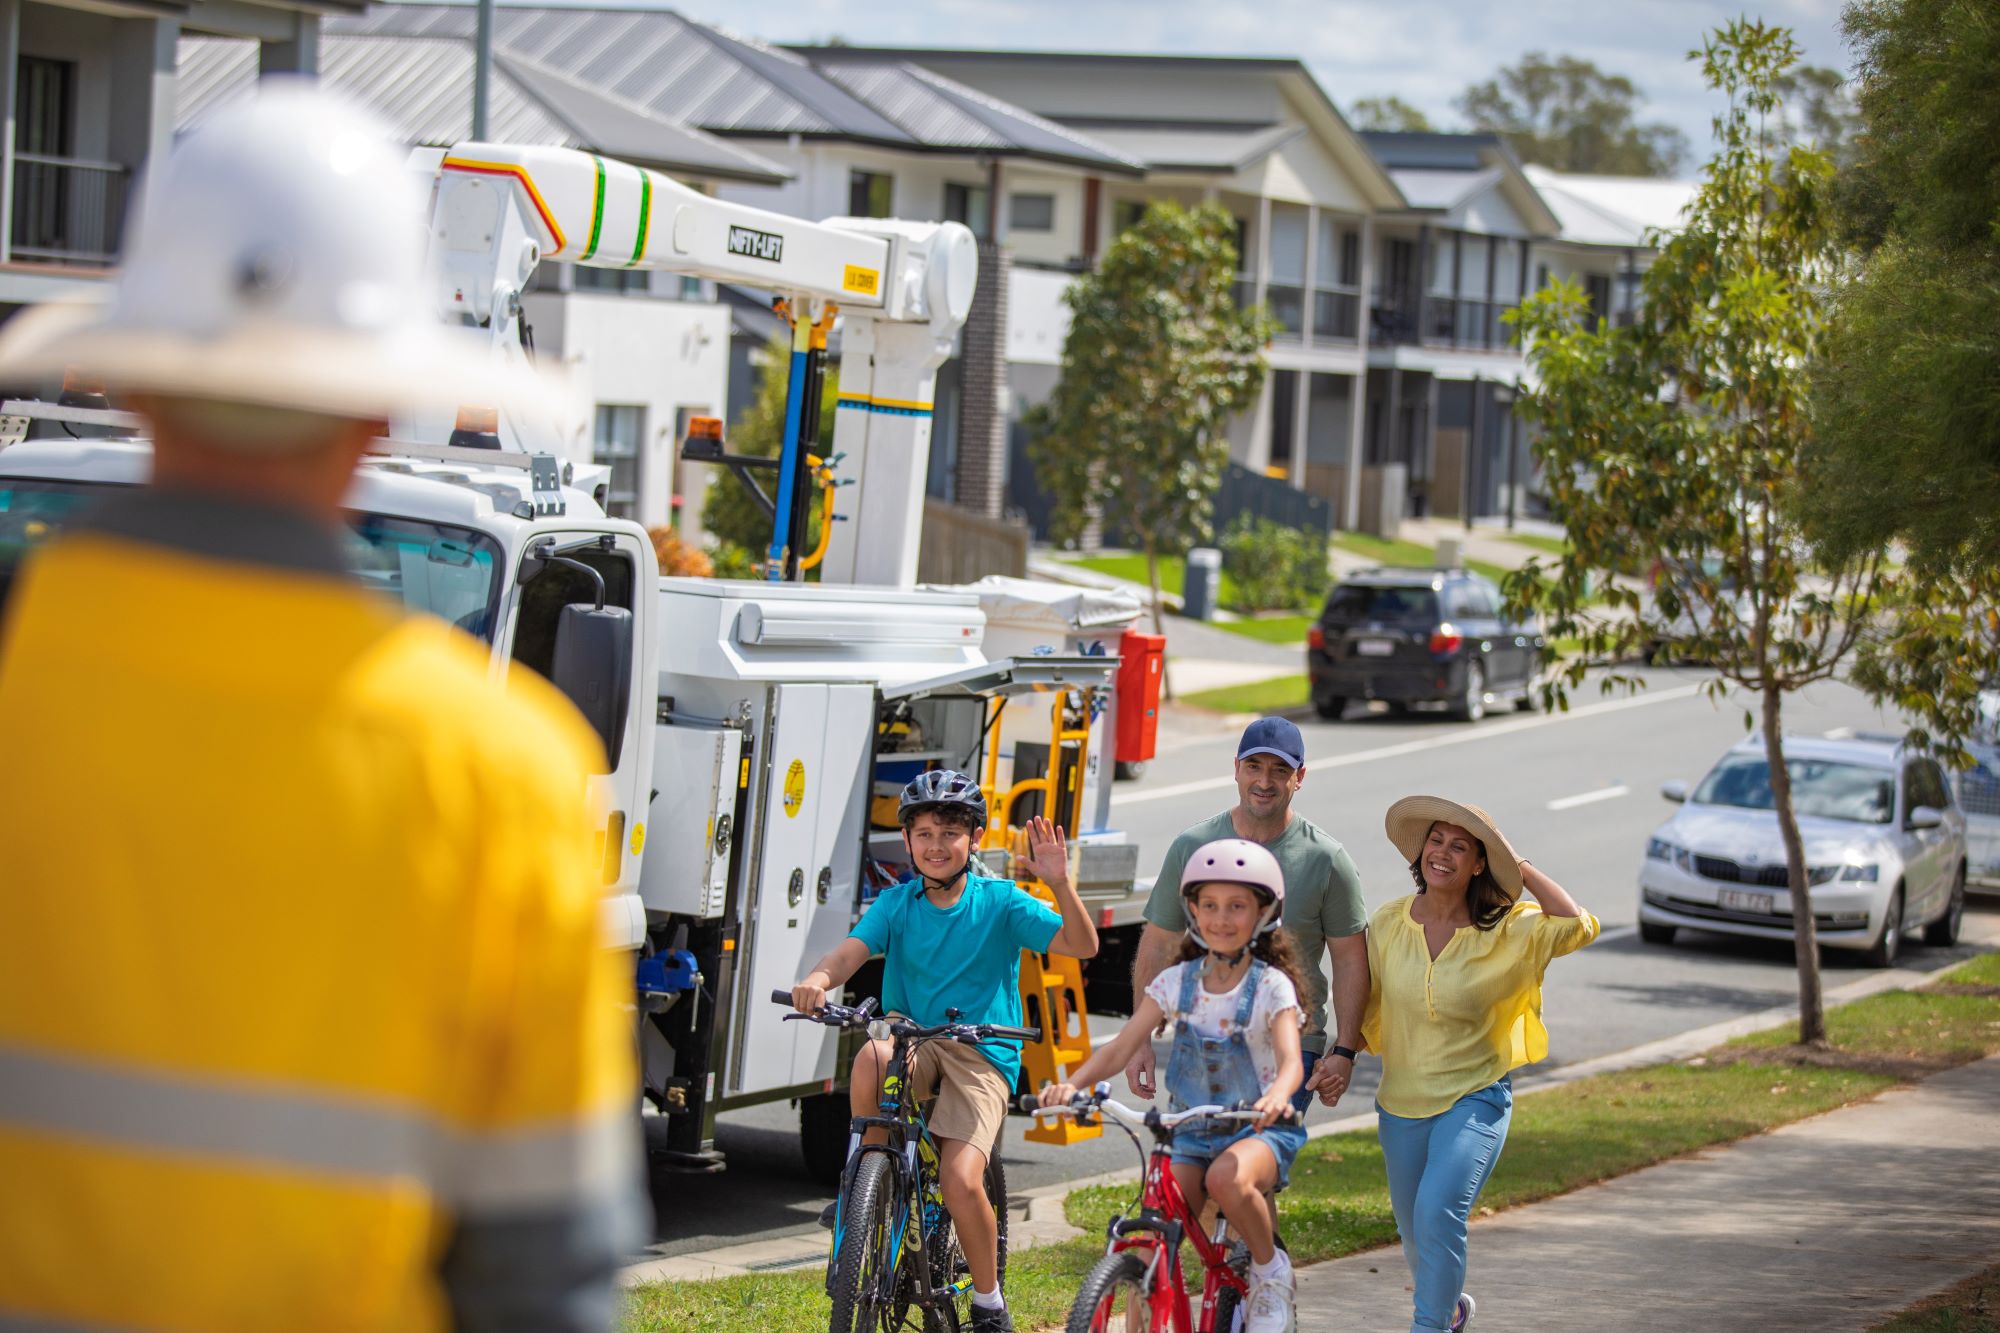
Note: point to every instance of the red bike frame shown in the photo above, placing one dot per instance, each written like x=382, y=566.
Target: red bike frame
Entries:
x=1154, y=1235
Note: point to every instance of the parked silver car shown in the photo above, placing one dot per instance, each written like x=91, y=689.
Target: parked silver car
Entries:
x=1884, y=841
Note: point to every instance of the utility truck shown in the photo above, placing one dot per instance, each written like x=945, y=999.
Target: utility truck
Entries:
x=755, y=731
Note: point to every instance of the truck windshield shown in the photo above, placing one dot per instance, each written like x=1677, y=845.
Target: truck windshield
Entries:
x=437, y=568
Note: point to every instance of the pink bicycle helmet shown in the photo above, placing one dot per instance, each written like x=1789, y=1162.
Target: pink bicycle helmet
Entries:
x=1235, y=861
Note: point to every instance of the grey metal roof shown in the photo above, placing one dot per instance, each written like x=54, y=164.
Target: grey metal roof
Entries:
x=1433, y=151
x=1441, y=189
x=732, y=85
x=423, y=87
x=1211, y=148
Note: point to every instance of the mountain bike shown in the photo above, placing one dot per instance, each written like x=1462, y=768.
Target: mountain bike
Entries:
x=1138, y=1286
x=894, y=1262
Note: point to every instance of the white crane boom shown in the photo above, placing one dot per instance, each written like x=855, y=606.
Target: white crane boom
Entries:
x=902, y=290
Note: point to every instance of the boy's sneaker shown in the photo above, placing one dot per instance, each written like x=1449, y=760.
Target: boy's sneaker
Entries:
x=1462, y=1320
x=991, y=1321
x=828, y=1213
x=1270, y=1308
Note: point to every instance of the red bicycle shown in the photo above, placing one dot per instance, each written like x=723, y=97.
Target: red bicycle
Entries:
x=1138, y=1286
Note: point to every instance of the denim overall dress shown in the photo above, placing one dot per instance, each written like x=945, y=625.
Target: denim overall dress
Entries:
x=1220, y=1070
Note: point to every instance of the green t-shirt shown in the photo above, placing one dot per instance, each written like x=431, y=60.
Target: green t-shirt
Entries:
x=1322, y=899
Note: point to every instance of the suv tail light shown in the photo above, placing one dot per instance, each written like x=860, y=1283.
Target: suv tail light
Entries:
x=1315, y=638
x=1443, y=642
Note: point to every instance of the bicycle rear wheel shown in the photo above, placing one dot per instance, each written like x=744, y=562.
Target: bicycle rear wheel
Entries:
x=864, y=1256
x=1113, y=1298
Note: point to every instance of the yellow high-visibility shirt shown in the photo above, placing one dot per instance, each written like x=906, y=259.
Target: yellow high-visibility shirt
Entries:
x=1448, y=1027
x=300, y=963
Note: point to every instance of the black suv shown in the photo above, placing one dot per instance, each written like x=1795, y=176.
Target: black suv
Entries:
x=1412, y=636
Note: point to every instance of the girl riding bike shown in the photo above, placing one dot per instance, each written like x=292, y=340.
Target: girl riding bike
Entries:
x=1235, y=996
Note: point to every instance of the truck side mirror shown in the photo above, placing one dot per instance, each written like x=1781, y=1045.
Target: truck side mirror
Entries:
x=593, y=666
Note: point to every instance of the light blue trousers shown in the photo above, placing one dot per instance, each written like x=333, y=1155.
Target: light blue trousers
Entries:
x=1436, y=1167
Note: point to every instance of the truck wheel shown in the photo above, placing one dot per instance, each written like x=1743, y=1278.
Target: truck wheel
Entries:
x=1329, y=710
x=823, y=1134
x=1130, y=770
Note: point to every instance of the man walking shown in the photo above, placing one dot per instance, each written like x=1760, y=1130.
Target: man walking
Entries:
x=1323, y=907
x=305, y=1019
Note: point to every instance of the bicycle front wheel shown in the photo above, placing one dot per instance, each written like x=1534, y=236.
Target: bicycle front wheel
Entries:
x=864, y=1257
x=1113, y=1298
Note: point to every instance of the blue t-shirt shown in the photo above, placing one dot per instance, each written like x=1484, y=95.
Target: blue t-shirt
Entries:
x=968, y=958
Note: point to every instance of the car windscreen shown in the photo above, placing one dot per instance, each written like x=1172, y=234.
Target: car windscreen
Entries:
x=1821, y=789
x=439, y=568
x=1355, y=602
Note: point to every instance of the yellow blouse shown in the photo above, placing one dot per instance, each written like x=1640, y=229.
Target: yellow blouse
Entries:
x=1448, y=1027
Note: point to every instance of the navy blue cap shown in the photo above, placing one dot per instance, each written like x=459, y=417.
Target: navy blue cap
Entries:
x=1273, y=736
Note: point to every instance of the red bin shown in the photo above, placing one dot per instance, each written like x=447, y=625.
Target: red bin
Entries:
x=1142, y=669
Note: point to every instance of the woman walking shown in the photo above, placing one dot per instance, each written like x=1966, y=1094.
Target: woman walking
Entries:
x=1455, y=1006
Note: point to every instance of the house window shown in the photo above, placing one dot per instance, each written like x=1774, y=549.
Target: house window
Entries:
x=971, y=205
x=1125, y=214
x=870, y=194
x=620, y=427
x=1541, y=276
x=43, y=126
x=1597, y=286
x=1032, y=212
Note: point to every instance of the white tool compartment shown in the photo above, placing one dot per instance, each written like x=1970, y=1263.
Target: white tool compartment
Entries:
x=801, y=899
x=693, y=820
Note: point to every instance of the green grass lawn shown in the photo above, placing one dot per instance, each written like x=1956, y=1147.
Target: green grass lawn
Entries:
x=1385, y=550
x=1555, y=546
x=1265, y=696
x=1271, y=629
x=1562, y=1138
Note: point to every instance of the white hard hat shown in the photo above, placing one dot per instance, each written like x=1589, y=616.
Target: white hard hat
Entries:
x=277, y=258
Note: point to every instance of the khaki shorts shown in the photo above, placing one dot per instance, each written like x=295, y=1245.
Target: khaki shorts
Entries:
x=971, y=1094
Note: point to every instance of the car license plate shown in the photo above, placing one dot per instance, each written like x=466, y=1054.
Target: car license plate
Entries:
x=1374, y=647
x=1738, y=901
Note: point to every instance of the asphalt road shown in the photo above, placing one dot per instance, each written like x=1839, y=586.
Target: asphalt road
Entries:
x=1600, y=765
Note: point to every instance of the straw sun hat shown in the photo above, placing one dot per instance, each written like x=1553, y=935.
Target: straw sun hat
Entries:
x=1409, y=823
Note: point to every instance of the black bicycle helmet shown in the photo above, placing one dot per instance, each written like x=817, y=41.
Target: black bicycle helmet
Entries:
x=937, y=789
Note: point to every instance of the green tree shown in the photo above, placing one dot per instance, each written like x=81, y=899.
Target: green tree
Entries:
x=730, y=514
x=1387, y=113
x=1157, y=359
x=1685, y=436
x=1817, y=110
x=1568, y=114
x=1907, y=394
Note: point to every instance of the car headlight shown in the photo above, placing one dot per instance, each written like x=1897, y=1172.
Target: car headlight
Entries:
x=1659, y=849
x=1866, y=874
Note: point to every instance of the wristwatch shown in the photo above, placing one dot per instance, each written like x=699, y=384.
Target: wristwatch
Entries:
x=1343, y=1052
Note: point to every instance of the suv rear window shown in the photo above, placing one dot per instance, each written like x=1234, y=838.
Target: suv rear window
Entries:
x=1390, y=606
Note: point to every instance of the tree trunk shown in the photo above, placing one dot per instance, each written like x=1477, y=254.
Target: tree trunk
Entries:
x=1805, y=939
x=1159, y=612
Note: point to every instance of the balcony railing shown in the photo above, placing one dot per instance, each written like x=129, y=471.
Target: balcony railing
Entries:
x=1444, y=321
x=67, y=210
x=1336, y=314
x=1288, y=307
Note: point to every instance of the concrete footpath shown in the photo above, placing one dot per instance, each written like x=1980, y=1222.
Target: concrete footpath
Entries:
x=1831, y=1223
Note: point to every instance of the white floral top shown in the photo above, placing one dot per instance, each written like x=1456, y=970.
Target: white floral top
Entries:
x=1214, y=1013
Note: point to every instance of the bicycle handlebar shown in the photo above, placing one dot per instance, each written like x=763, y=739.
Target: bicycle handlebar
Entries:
x=861, y=1015
x=1099, y=1100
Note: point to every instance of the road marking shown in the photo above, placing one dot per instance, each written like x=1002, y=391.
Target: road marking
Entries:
x=1590, y=797
x=1615, y=933
x=1480, y=733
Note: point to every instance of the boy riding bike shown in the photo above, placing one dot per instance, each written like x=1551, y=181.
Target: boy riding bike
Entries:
x=1235, y=993
x=952, y=941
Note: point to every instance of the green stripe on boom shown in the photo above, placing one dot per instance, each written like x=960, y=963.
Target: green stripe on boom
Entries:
x=596, y=210
x=645, y=216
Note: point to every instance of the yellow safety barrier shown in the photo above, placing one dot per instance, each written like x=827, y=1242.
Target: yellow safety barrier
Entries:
x=1051, y=984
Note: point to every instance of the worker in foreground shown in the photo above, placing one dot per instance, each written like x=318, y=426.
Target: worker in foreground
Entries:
x=304, y=1021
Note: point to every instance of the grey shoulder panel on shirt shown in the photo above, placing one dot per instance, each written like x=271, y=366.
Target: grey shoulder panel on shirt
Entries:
x=551, y=1271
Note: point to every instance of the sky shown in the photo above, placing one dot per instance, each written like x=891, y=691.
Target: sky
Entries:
x=1424, y=51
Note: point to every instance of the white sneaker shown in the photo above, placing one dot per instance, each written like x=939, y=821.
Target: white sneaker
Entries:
x=1270, y=1308
x=1462, y=1316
